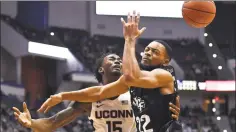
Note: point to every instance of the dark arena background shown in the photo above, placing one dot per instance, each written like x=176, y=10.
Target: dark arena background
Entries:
x=50, y=47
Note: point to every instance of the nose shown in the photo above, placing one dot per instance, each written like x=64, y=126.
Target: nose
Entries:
x=117, y=62
x=148, y=54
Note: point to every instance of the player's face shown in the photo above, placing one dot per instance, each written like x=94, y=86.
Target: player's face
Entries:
x=154, y=54
x=113, y=63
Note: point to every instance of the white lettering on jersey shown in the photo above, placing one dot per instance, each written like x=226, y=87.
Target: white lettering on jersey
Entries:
x=113, y=115
x=139, y=103
x=142, y=122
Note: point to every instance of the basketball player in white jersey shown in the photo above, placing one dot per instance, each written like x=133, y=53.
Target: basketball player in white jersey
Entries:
x=113, y=114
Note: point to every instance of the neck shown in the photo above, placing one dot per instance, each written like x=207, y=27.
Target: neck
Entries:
x=110, y=79
x=148, y=67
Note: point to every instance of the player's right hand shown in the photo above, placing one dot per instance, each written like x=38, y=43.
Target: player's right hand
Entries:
x=24, y=118
x=131, y=27
x=50, y=102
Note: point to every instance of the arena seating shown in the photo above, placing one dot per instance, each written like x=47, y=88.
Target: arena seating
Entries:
x=196, y=120
x=189, y=53
x=28, y=32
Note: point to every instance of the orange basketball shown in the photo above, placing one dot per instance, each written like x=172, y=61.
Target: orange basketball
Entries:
x=198, y=14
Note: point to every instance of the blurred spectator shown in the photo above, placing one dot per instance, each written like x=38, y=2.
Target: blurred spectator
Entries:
x=195, y=120
x=232, y=119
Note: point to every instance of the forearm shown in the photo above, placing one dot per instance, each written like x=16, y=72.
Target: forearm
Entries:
x=39, y=125
x=91, y=94
x=130, y=64
x=97, y=93
x=61, y=119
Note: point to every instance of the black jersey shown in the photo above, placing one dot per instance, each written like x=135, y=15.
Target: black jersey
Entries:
x=150, y=107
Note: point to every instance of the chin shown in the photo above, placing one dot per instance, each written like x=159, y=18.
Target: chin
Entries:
x=116, y=73
x=145, y=63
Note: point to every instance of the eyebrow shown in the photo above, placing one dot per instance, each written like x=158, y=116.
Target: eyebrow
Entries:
x=154, y=49
x=112, y=57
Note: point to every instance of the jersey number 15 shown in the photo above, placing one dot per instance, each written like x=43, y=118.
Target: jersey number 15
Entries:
x=114, y=126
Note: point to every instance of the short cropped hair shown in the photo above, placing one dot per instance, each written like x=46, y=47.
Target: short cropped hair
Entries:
x=167, y=47
x=98, y=65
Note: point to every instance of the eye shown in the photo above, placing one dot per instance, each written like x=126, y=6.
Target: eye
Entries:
x=111, y=59
x=146, y=49
x=155, y=52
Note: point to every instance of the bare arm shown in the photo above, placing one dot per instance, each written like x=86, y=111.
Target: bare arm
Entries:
x=153, y=79
x=96, y=93
x=91, y=94
x=130, y=65
x=131, y=32
x=62, y=118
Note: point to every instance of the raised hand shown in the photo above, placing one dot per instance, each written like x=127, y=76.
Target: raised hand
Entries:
x=130, y=28
x=24, y=118
x=50, y=102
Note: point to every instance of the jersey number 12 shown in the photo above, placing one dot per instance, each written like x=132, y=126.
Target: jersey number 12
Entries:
x=114, y=126
x=143, y=121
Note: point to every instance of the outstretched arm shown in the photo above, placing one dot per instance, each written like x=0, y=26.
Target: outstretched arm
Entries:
x=74, y=110
x=91, y=94
x=97, y=93
x=131, y=33
x=151, y=79
x=50, y=124
x=130, y=64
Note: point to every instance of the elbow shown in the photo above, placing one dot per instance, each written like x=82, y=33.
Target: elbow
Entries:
x=96, y=97
x=129, y=78
x=131, y=75
x=100, y=96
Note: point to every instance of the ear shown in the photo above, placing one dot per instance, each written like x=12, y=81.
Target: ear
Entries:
x=101, y=70
x=167, y=61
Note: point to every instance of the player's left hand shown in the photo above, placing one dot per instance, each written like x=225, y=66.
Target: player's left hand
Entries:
x=24, y=117
x=130, y=28
x=175, y=109
x=50, y=102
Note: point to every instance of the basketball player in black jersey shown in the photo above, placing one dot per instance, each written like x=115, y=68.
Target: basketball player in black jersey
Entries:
x=108, y=70
x=152, y=82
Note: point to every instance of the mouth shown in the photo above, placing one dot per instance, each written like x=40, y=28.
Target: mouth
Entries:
x=145, y=58
x=116, y=67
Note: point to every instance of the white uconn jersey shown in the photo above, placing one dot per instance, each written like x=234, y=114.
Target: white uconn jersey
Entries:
x=113, y=115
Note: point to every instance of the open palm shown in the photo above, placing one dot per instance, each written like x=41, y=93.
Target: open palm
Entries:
x=24, y=118
x=50, y=102
x=131, y=27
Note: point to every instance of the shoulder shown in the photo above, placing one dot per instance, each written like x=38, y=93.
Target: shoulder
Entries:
x=162, y=76
x=161, y=72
